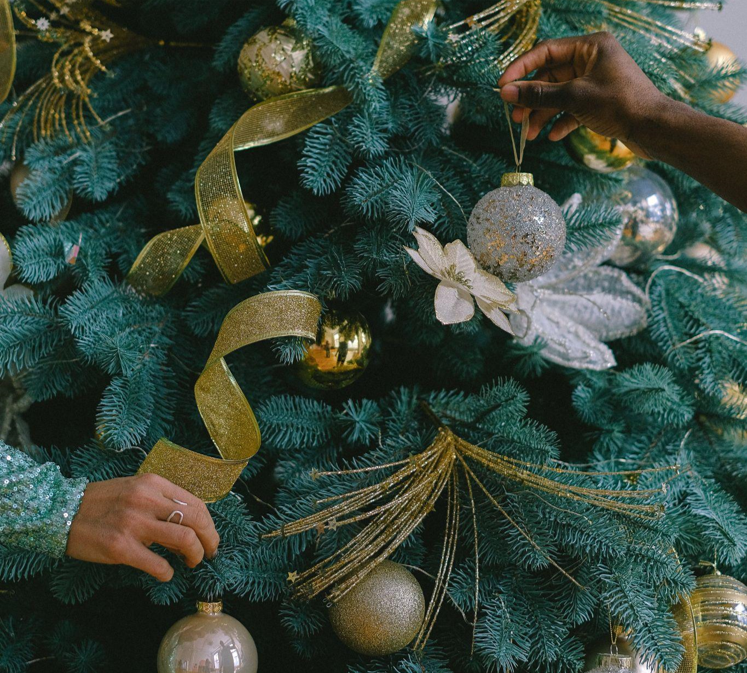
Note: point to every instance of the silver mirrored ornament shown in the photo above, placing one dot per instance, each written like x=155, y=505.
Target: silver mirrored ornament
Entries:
x=613, y=663
x=649, y=213
x=516, y=232
x=208, y=641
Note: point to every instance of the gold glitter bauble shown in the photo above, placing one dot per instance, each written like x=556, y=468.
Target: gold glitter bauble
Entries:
x=382, y=613
x=18, y=174
x=649, y=213
x=719, y=605
x=276, y=61
x=720, y=57
x=340, y=354
x=595, y=151
x=516, y=232
x=208, y=640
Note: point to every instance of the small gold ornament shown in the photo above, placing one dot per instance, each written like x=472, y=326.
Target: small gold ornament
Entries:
x=649, y=213
x=719, y=605
x=277, y=60
x=340, y=354
x=516, y=232
x=595, y=151
x=720, y=57
x=382, y=613
x=18, y=174
x=208, y=640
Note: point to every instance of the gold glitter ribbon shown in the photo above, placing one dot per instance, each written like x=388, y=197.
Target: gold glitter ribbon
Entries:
x=225, y=225
x=7, y=49
x=222, y=404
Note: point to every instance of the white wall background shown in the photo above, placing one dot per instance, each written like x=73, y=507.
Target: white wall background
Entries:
x=728, y=26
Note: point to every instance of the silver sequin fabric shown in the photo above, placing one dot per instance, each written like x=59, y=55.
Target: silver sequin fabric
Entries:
x=37, y=504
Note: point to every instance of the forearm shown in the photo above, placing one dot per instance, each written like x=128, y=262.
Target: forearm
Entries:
x=711, y=150
x=37, y=504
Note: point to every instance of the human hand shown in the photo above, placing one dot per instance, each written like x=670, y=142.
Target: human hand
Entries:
x=119, y=519
x=591, y=79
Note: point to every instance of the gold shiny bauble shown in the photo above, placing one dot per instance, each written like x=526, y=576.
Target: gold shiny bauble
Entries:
x=649, y=213
x=595, y=151
x=276, y=61
x=719, y=605
x=340, y=354
x=516, y=232
x=18, y=174
x=719, y=57
x=208, y=641
x=382, y=613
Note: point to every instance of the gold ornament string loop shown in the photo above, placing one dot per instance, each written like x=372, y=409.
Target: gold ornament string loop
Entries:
x=225, y=224
x=7, y=49
x=222, y=404
x=518, y=155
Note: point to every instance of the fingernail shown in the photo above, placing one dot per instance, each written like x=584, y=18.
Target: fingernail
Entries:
x=510, y=93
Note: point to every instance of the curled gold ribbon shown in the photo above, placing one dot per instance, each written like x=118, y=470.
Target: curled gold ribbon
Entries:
x=7, y=49
x=225, y=225
x=223, y=406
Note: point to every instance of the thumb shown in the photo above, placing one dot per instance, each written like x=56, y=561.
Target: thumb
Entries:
x=540, y=95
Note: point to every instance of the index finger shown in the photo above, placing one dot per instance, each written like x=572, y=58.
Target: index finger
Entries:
x=548, y=54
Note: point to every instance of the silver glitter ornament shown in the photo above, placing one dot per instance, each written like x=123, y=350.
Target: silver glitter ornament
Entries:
x=516, y=232
x=208, y=640
x=382, y=613
x=649, y=213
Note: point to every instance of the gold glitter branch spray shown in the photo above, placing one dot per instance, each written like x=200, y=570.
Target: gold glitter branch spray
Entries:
x=393, y=507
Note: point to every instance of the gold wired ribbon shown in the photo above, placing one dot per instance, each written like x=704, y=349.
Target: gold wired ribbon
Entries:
x=222, y=404
x=225, y=225
x=7, y=49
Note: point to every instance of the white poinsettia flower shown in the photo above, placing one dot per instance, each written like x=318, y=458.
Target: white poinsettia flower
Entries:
x=6, y=266
x=461, y=280
x=578, y=305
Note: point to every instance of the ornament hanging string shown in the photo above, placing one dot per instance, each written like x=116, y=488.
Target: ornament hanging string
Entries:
x=518, y=155
x=223, y=407
x=225, y=225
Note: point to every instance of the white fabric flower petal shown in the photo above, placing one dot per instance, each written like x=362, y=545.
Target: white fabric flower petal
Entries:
x=459, y=261
x=6, y=263
x=577, y=306
x=16, y=292
x=453, y=304
x=495, y=314
x=419, y=260
x=491, y=288
x=430, y=251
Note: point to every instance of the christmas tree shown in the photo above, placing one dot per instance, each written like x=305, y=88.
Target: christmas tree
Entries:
x=544, y=488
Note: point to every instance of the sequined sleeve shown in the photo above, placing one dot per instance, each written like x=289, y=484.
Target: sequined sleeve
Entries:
x=37, y=504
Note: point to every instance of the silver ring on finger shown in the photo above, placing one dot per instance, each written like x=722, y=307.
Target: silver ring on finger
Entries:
x=173, y=514
x=179, y=502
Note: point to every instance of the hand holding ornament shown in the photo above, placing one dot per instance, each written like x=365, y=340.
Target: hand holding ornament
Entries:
x=119, y=519
x=593, y=81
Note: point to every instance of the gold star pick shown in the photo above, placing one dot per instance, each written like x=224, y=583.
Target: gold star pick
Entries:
x=292, y=576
